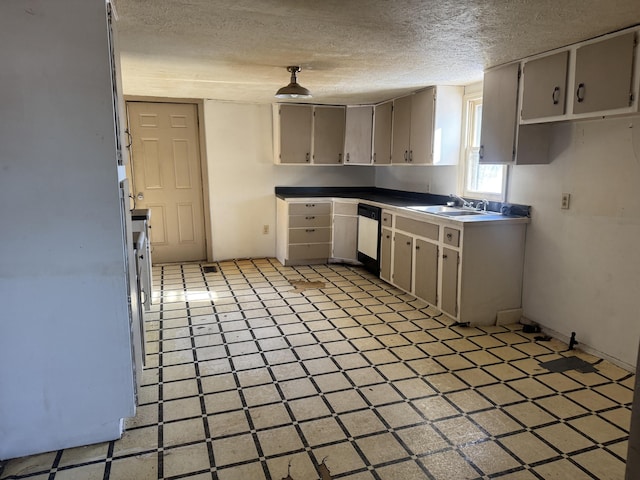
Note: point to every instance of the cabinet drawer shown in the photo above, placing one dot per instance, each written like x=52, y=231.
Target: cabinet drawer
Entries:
x=423, y=229
x=309, y=235
x=451, y=237
x=305, y=252
x=387, y=219
x=323, y=208
x=345, y=208
x=298, y=221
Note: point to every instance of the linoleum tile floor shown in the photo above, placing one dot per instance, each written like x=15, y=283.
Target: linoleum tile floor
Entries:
x=248, y=378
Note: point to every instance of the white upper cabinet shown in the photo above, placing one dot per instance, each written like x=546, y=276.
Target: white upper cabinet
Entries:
x=602, y=78
x=292, y=133
x=603, y=75
x=358, y=135
x=426, y=127
x=308, y=134
x=401, y=130
x=382, y=133
x=499, y=114
x=328, y=135
x=545, y=86
x=502, y=139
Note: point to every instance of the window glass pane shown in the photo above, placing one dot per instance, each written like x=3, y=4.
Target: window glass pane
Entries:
x=477, y=122
x=480, y=179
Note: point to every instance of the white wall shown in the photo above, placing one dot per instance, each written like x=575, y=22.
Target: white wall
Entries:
x=424, y=179
x=242, y=178
x=582, y=266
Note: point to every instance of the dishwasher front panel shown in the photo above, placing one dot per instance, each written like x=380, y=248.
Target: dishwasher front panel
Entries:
x=369, y=237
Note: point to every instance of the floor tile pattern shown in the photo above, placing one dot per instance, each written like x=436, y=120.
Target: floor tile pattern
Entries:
x=248, y=379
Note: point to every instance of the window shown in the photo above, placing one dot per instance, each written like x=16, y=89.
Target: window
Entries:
x=480, y=181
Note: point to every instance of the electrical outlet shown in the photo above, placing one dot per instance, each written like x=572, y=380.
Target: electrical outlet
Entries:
x=566, y=198
x=265, y=229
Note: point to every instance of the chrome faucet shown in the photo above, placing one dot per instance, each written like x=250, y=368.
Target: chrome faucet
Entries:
x=482, y=205
x=462, y=200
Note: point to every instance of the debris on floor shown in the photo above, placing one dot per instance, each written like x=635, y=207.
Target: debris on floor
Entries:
x=459, y=324
x=209, y=269
x=323, y=470
x=569, y=363
x=531, y=328
x=302, y=285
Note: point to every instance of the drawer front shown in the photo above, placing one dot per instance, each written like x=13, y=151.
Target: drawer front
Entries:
x=423, y=229
x=299, y=221
x=387, y=219
x=322, y=208
x=309, y=235
x=451, y=237
x=308, y=252
x=343, y=208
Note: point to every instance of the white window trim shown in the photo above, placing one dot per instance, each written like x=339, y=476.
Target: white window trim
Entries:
x=468, y=100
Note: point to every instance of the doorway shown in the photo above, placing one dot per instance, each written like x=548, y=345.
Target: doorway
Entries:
x=166, y=177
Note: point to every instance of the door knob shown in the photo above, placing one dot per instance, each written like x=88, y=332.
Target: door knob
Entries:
x=140, y=196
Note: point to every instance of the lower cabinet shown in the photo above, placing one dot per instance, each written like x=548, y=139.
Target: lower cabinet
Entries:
x=303, y=232
x=426, y=276
x=469, y=271
x=385, y=254
x=345, y=231
x=450, y=262
x=402, y=260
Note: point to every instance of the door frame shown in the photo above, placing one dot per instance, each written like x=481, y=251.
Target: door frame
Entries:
x=199, y=103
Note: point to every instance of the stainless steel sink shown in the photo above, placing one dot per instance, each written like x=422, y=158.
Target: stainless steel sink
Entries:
x=446, y=211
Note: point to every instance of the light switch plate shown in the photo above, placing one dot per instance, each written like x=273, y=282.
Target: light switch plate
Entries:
x=566, y=198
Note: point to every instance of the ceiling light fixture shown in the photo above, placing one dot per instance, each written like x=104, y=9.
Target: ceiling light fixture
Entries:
x=294, y=89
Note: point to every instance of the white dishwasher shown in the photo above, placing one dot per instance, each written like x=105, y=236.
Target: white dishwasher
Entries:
x=369, y=237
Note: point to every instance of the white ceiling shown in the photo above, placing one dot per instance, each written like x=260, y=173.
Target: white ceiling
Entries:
x=351, y=51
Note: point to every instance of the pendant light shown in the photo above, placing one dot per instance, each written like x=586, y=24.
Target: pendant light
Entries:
x=294, y=89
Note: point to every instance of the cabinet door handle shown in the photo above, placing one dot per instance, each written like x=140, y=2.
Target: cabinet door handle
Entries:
x=580, y=93
x=308, y=157
x=444, y=255
x=481, y=152
x=340, y=157
x=406, y=153
x=309, y=218
x=408, y=243
x=347, y=157
x=411, y=155
x=417, y=247
x=310, y=230
x=374, y=157
x=555, y=96
x=449, y=236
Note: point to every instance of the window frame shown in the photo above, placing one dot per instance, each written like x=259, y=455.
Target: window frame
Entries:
x=470, y=101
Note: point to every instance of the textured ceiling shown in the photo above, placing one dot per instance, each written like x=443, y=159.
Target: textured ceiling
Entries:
x=351, y=51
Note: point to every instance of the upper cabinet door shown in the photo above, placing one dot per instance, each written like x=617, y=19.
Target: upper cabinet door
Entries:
x=382, y=133
x=499, y=114
x=422, y=121
x=328, y=135
x=603, y=75
x=295, y=133
x=545, y=84
x=358, y=131
x=401, y=129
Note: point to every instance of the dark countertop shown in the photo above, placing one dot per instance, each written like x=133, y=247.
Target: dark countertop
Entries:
x=140, y=214
x=396, y=198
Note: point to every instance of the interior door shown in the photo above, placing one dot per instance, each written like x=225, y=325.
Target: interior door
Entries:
x=167, y=178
